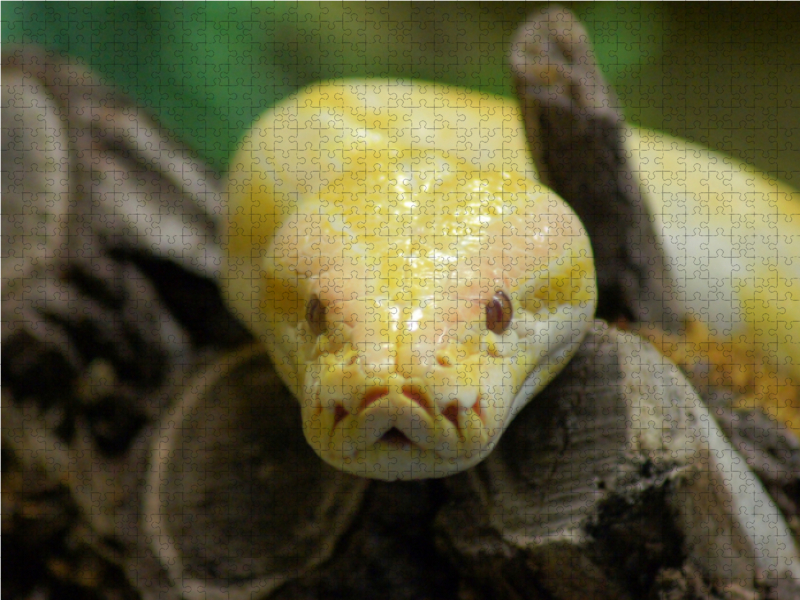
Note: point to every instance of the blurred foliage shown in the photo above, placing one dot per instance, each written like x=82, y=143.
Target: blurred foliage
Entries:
x=724, y=74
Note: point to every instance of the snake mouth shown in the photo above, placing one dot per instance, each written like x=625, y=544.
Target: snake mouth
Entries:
x=398, y=432
x=396, y=438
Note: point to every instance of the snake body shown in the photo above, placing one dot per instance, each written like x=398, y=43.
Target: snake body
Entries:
x=413, y=282
x=416, y=285
x=732, y=237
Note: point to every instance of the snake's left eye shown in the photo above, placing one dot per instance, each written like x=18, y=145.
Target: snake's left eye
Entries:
x=315, y=316
x=498, y=312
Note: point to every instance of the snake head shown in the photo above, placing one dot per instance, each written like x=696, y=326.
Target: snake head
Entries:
x=412, y=298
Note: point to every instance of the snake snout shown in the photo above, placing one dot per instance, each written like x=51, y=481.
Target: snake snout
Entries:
x=383, y=422
x=414, y=393
x=398, y=429
x=417, y=394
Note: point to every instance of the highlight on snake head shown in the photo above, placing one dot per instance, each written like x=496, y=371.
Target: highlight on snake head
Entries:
x=414, y=283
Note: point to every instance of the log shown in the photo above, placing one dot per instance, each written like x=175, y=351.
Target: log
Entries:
x=236, y=502
x=614, y=475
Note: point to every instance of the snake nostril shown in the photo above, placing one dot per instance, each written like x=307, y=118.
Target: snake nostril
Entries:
x=418, y=395
x=339, y=413
x=451, y=413
x=476, y=408
x=372, y=396
x=444, y=361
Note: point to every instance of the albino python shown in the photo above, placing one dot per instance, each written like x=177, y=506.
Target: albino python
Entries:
x=416, y=286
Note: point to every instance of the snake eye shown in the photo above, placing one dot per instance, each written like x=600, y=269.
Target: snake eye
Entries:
x=315, y=316
x=498, y=312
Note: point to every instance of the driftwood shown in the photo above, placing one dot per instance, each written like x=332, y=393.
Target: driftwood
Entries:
x=172, y=460
x=109, y=259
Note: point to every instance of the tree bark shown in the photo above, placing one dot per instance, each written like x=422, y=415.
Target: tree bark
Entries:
x=575, y=133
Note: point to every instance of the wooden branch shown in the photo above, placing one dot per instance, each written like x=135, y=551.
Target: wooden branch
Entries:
x=575, y=132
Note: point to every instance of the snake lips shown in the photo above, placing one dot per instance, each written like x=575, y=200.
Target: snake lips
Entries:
x=413, y=283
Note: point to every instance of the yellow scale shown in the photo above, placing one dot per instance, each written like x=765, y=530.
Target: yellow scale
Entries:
x=732, y=237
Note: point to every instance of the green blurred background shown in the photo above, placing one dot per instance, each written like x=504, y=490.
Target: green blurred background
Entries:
x=726, y=75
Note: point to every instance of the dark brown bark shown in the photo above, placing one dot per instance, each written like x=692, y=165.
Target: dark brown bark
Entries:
x=109, y=300
x=575, y=131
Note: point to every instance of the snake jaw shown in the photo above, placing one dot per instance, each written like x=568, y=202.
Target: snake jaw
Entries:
x=397, y=431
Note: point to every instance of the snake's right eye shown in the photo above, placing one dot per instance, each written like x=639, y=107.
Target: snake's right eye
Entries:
x=315, y=316
x=499, y=313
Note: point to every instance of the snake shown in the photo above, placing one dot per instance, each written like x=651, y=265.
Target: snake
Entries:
x=416, y=285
